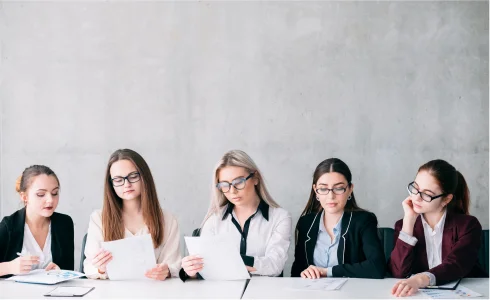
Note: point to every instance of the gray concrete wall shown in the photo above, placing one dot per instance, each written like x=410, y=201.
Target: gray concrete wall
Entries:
x=385, y=86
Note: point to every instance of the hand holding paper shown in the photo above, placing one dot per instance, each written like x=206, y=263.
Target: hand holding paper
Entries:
x=131, y=257
x=221, y=257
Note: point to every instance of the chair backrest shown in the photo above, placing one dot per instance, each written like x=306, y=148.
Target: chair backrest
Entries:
x=483, y=254
x=196, y=232
x=385, y=235
x=82, y=256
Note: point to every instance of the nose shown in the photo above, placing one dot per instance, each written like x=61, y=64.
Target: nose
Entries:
x=331, y=195
x=233, y=190
x=127, y=183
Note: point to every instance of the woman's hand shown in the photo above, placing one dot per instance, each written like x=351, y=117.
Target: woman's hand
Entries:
x=192, y=264
x=410, y=286
x=314, y=272
x=101, y=259
x=160, y=272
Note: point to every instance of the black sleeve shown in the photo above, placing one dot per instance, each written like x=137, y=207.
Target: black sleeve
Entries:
x=374, y=265
x=299, y=264
x=70, y=244
x=5, y=240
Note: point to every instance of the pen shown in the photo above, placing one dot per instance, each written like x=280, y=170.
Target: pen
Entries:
x=20, y=254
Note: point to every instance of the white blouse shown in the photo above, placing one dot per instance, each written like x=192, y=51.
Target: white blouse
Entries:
x=168, y=252
x=31, y=247
x=266, y=238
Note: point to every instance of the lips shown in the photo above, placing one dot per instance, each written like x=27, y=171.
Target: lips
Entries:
x=48, y=208
x=236, y=199
x=127, y=192
x=331, y=204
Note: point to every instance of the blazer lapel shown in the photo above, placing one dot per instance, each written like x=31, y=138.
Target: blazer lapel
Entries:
x=56, y=250
x=18, y=231
x=311, y=237
x=447, y=236
x=346, y=220
x=418, y=230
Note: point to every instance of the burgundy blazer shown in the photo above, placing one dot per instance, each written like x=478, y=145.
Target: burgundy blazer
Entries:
x=461, y=241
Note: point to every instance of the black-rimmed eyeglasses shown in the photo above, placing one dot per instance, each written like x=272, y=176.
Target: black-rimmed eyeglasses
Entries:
x=132, y=177
x=238, y=183
x=412, y=190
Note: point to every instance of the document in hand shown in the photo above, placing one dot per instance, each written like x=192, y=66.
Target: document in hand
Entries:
x=40, y=276
x=222, y=260
x=322, y=284
x=131, y=257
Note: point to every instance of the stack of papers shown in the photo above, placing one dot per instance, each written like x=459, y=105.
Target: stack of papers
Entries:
x=459, y=292
x=322, y=284
x=40, y=276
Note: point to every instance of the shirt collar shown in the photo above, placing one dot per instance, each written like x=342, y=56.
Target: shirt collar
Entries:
x=337, y=227
x=263, y=208
x=439, y=225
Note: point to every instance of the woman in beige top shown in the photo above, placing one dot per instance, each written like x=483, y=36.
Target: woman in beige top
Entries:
x=131, y=208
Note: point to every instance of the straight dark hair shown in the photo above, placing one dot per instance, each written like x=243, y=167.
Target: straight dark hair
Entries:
x=328, y=166
x=451, y=182
x=112, y=223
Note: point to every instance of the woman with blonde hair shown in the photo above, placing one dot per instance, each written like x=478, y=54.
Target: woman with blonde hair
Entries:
x=242, y=207
x=131, y=208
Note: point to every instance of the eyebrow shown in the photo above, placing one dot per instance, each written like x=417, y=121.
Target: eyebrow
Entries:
x=126, y=175
x=424, y=190
x=332, y=185
x=243, y=176
x=44, y=190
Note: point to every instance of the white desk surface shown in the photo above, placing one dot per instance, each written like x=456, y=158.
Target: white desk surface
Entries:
x=280, y=288
x=171, y=288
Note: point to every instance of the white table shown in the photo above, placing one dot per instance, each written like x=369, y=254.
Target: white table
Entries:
x=172, y=288
x=280, y=288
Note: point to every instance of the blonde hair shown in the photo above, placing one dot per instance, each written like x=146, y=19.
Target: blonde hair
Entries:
x=237, y=158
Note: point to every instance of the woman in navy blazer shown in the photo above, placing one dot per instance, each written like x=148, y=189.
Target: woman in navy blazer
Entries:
x=334, y=237
x=437, y=239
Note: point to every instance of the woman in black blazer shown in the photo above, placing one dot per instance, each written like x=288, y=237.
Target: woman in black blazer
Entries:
x=42, y=237
x=334, y=237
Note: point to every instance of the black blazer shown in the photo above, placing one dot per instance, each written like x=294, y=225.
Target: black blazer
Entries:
x=62, y=242
x=360, y=253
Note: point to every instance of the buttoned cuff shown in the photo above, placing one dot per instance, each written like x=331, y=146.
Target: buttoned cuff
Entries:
x=411, y=240
x=329, y=272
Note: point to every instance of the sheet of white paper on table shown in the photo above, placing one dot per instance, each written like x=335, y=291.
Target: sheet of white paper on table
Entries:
x=40, y=276
x=70, y=291
x=323, y=284
x=131, y=257
x=459, y=292
x=221, y=256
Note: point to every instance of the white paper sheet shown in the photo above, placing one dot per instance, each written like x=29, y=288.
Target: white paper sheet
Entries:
x=131, y=257
x=221, y=255
x=69, y=291
x=40, y=276
x=322, y=284
x=459, y=292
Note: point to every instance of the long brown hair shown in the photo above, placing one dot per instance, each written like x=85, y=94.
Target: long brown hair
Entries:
x=452, y=182
x=112, y=223
x=328, y=166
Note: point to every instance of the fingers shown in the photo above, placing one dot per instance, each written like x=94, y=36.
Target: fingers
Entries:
x=102, y=259
x=400, y=288
x=316, y=272
x=395, y=287
x=405, y=291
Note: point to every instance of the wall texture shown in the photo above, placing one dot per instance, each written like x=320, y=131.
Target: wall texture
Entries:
x=385, y=86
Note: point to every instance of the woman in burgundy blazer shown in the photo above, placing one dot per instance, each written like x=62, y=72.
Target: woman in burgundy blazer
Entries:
x=437, y=240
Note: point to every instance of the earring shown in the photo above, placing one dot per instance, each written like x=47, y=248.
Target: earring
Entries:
x=317, y=198
x=350, y=197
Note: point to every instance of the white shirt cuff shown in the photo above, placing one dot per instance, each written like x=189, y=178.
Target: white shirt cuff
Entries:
x=411, y=240
x=329, y=272
x=432, y=278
